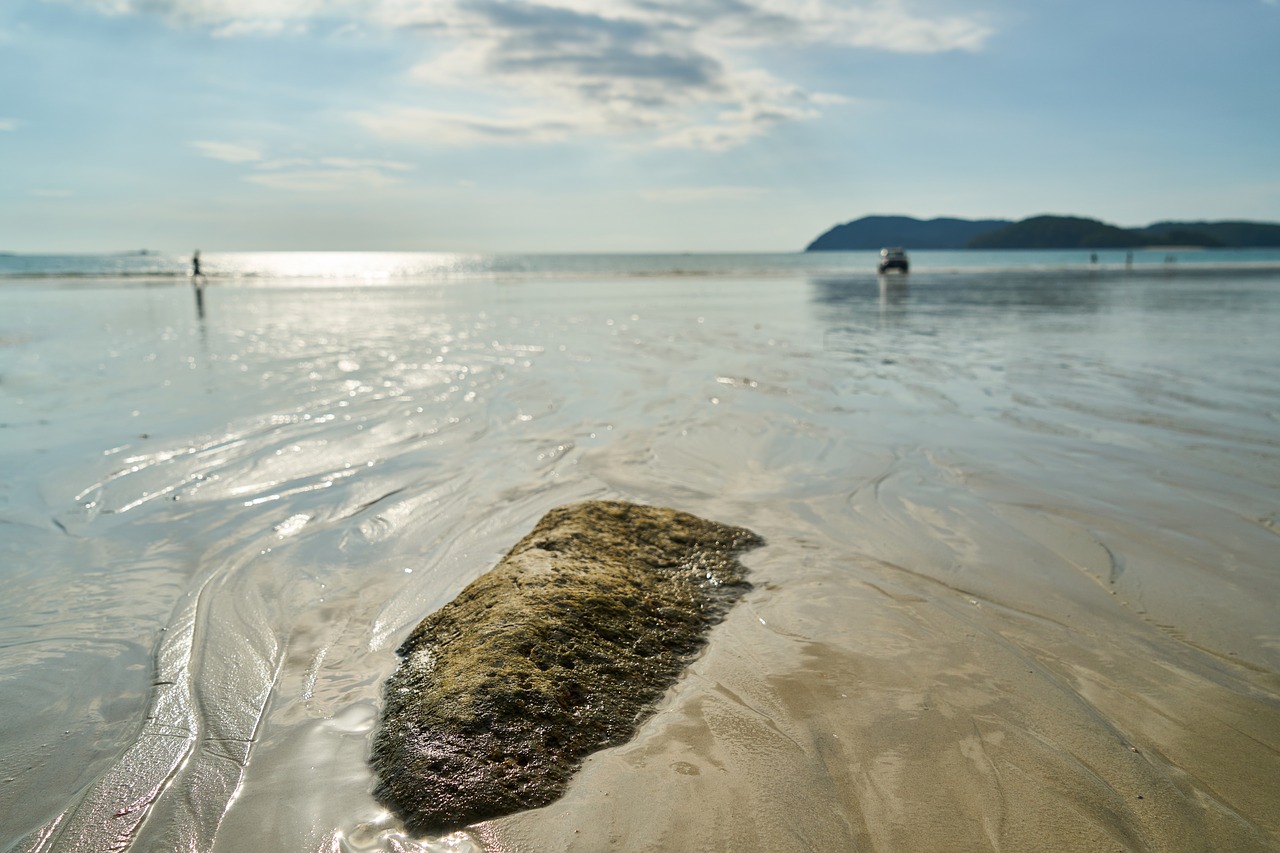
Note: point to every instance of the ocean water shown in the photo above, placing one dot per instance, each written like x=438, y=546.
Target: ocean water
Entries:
x=343, y=269
x=1022, y=513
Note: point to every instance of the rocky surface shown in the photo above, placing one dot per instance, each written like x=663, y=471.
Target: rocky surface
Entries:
x=558, y=651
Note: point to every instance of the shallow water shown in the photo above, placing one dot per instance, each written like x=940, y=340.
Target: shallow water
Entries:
x=1021, y=567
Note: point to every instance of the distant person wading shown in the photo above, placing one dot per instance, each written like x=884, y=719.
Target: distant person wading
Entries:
x=197, y=280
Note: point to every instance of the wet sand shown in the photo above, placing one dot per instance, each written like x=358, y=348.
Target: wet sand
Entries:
x=889, y=713
x=1018, y=592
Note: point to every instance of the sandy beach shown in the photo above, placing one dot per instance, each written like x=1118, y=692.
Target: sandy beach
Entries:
x=1018, y=593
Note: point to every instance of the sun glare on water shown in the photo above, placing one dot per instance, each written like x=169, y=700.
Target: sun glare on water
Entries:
x=367, y=267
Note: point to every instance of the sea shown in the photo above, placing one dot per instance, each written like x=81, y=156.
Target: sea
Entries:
x=225, y=499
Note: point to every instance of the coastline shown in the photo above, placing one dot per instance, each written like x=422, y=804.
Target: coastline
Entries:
x=398, y=269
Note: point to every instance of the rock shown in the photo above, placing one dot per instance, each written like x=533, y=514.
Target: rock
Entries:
x=560, y=650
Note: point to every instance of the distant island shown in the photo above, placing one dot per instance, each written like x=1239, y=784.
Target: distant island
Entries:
x=1040, y=232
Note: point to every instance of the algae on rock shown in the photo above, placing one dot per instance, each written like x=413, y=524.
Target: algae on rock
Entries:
x=558, y=651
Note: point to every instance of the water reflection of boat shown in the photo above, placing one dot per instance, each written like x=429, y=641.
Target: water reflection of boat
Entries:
x=893, y=259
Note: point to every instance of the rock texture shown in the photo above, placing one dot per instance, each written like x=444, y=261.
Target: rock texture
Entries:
x=558, y=651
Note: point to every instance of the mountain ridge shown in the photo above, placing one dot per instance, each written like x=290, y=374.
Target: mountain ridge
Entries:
x=1047, y=231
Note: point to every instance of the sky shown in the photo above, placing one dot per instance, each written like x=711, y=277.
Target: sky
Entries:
x=620, y=125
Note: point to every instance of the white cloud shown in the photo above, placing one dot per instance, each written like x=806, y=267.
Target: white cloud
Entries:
x=222, y=13
x=686, y=73
x=351, y=163
x=52, y=193
x=884, y=24
x=287, y=163
x=710, y=137
x=889, y=26
x=8, y=124
x=445, y=128
x=237, y=29
x=322, y=180
x=682, y=73
x=698, y=195
x=305, y=174
x=228, y=152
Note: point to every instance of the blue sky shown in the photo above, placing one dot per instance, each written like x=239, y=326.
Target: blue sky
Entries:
x=620, y=125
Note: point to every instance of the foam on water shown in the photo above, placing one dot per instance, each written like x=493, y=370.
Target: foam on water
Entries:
x=217, y=531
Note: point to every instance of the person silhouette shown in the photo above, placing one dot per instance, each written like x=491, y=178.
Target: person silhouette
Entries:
x=197, y=281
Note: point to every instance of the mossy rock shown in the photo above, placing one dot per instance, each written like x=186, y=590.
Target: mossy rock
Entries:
x=560, y=650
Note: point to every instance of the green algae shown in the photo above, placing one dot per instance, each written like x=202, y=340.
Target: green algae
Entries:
x=560, y=650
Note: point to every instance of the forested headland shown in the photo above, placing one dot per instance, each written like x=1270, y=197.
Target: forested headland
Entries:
x=1041, y=232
